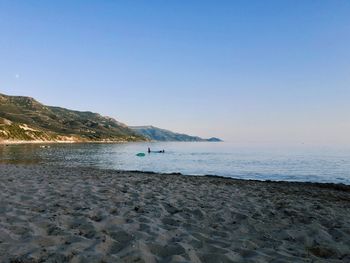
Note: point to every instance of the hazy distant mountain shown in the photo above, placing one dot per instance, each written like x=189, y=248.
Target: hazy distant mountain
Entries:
x=214, y=139
x=24, y=118
x=157, y=134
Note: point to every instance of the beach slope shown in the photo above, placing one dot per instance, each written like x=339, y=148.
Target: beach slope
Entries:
x=57, y=214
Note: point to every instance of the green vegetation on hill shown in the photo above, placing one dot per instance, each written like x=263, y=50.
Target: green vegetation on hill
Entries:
x=24, y=118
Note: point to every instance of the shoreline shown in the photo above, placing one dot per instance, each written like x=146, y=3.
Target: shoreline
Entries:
x=75, y=214
x=4, y=142
x=337, y=186
x=61, y=142
x=330, y=185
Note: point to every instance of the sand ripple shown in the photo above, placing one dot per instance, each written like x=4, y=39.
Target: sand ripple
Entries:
x=55, y=214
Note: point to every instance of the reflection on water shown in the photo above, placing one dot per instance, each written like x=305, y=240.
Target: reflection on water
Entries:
x=19, y=154
x=293, y=163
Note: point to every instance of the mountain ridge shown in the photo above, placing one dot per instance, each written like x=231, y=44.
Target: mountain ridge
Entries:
x=25, y=119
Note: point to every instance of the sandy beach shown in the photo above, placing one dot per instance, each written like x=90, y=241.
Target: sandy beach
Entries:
x=58, y=214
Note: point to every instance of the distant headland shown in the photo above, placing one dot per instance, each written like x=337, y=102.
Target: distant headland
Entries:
x=158, y=134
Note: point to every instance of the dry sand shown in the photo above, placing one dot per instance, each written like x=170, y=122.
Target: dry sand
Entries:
x=56, y=214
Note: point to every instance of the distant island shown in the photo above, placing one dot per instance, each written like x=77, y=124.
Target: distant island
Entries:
x=158, y=134
x=24, y=119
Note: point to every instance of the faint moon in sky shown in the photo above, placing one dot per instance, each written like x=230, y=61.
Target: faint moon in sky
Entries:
x=17, y=76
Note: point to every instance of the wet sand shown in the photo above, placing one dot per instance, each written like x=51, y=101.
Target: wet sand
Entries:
x=57, y=214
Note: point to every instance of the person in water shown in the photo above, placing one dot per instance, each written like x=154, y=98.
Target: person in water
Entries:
x=149, y=151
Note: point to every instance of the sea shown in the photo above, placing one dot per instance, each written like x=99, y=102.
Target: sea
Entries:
x=298, y=162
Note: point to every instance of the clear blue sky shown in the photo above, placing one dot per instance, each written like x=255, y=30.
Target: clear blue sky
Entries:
x=241, y=70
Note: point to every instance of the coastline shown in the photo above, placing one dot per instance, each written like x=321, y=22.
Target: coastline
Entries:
x=59, y=142
x=337, y=186
x=83, y=213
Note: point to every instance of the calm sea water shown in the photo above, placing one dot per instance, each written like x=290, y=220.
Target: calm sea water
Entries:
x=262, y=162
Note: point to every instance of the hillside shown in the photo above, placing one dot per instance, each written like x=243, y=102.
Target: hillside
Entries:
x=157, y=134
x=25, y=119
